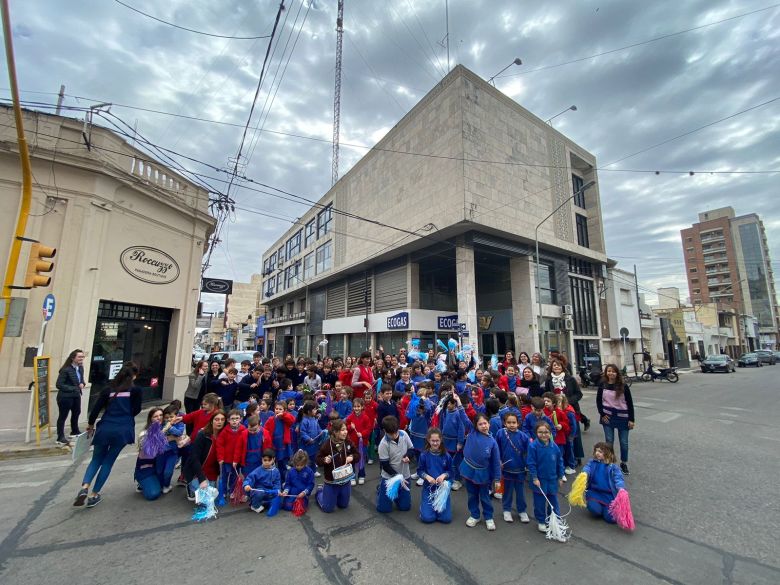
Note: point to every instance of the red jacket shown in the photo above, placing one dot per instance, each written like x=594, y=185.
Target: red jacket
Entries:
x=363, y=425
x=231, y=445
x=345, y=377
x=370, y=410
x=366, y=375
x=288, y=420
x=198, y=419
x=559, y=418
x=524, y=410
x=503, y=383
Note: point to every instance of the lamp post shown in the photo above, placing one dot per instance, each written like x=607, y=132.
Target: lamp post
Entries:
x=517, y=61
x=582, y=189
x=573, y=108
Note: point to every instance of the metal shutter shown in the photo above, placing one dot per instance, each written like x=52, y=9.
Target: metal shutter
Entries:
x=335, y=301
x=391, y=290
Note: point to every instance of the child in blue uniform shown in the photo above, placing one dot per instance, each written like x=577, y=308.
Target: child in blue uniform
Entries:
x=604, y=480
x=493, y=412
x=299, y=481
x=166, y=462
x=545, y=467
x=513, y=447
x=310, y=435
x=481, y=469
x=454, y=423
x=257, y=440
x=419, y=413
x=434, y=468
x=344, y=403
x=534, y=417
x=264, y=483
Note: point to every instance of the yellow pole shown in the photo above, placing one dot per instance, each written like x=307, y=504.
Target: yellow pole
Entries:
x=24, y=155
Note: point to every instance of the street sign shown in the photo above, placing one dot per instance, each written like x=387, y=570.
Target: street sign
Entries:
x=48, y=307
x=464, y=333
x=219, y=286
x=462, y=327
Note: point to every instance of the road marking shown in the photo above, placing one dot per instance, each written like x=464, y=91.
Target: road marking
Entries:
x=727, y=414
x=643, y=404
x=22, y=484
x=771, y=438
x=663, y=417
x=655, y=399
x=736, y=408
x=725, y=422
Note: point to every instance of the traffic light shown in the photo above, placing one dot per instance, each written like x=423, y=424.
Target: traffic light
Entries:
x=38, y=263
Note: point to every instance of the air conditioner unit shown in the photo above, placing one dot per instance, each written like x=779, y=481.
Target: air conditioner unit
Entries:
x=568, y=324
x=566, y=310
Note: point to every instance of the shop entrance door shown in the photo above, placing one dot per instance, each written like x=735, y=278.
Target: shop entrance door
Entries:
x=125, y=333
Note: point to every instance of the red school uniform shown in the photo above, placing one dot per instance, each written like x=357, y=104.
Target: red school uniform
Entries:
x=525, y=409
x=363, y=425
x=559, y=418
x=198, y=419
x=288, y=420
x=370, y=411
x=231, y=445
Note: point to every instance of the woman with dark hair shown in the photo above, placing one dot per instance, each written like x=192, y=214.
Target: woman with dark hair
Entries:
x=559, y=381
x=70, y=384
x=196, y=388
x=362, y=376
x=616, y=410
x=509, y=360
x=119, y=402
x=530, y=381
x=202, y=466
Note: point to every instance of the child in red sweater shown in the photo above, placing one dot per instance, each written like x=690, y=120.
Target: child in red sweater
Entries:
x=370, y=407
x=231, y=453
x=359, y=428
x=560, y=420
x=279, y=426
x=200, y=418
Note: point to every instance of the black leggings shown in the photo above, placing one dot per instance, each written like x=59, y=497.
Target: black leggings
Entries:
x=67, y=406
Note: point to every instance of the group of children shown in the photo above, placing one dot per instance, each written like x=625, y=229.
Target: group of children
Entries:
x=491, y=438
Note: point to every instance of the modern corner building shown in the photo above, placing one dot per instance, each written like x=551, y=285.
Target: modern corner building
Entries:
x=130, y=236
x=448, y=203
x=727, y=262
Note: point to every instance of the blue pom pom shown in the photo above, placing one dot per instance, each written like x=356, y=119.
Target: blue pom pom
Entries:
x=393, y=485
x=494, y=362
x=378, y=385
x=459, y=356
x=452, y=344
x=441, y=345
x=441, y=367
x=466, y=348
x=472, y=377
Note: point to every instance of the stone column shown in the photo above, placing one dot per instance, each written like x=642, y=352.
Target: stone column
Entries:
x=467, y=290
x=522, y=274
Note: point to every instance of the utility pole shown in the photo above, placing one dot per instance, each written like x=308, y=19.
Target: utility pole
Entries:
x=60, y=98
x=337, y=93
x=639, y=311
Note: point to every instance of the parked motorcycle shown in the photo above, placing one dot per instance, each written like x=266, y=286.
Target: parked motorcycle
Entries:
x=589, y=377
x=651, y=374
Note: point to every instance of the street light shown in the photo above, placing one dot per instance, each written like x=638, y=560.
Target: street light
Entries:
x=573, y=108
x=517, y=61
x=582, y=189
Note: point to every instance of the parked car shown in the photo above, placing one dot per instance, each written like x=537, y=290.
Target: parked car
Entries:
x=777, y=355
x=718, y=363
x=766, y=356
x=222, y=356
x=749, y=359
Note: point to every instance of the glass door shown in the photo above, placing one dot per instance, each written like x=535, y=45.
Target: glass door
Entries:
x=108, y=355
x=147, y=347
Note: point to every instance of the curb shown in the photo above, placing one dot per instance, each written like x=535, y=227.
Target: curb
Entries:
x=13, y=454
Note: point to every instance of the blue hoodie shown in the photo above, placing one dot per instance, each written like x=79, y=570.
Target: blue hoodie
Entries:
x=545, y=463
x=513, y=447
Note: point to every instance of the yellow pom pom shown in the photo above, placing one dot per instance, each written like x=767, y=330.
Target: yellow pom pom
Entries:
x=577, y=493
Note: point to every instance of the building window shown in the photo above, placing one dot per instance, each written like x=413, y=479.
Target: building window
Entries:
x=697, y=291
x=280, y=255
x=584, y=306
x=294, y=245
x=547, y=284
x=576, y=184
x=694, y=270
x=582, y=231
x=270, y=286
x=266, y=266
x=311, y=233
x=626, y=298
x=324, y=258
x=308, y=266
x=272, y=263
x=279, y=282
x=291, y=274
x=291, y=307
x=324, y=219
x=694, y=280
x=578, y=266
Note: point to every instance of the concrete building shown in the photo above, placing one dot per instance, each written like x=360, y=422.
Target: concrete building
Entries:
x=130, y=236
x=243, y=309
x=727, y=261
x=620, y=323
x=450, y=196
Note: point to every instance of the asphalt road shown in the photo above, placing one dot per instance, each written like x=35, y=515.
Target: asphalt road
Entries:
x=704, y=457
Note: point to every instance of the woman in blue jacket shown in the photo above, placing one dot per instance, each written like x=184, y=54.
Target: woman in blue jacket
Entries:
x=120, y=402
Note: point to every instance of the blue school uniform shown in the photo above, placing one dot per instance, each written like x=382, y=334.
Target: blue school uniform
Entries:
x=434, y=464
x=530, y=421
x=453, y=429
x=343, y=407
x=291, y=395
x=268, y=481
x=254, y=451
x=496, y=424
x=568, y=454
x=417, y=379
x=165, y=463
x=264, y=416
x=513, y=447
x=481, y=467
x=419, y=413
x=545, y=463
x=298, y=482
x=310, y=438
x=400, y=386
x=227, y=392
x=604, y=481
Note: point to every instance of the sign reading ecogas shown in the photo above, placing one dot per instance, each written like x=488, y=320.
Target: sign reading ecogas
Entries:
x=149, y=265
x=398, y=321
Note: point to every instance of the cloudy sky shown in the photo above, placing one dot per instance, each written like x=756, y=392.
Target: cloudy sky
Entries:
x=633, y=90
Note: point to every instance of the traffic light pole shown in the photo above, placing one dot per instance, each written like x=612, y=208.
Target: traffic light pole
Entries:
x=24, y=156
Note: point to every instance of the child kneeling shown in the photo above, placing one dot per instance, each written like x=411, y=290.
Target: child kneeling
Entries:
x=395, y=452
x=337, y=456
x=299, y=483
x=604, y=480
x=264, y=483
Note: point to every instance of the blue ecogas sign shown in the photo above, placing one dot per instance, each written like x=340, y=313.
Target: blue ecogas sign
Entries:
x=398, y=321
x=448, y=322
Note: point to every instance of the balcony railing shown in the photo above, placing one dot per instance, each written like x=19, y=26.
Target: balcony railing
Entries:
x=715, y=260
x=712, y=238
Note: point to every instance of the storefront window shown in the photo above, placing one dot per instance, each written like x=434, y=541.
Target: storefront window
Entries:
x=335, y=346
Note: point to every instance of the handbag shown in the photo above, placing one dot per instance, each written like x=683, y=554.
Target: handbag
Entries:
x=343, y=473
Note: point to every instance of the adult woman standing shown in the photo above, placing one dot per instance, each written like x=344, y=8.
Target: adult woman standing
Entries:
x=362, y=376
x=202, y=466
x=70, y=384
x=559, y=381
x=616, y=410
x=537, y=365
x=509, y=360
x=196, y=387
x=213, y=373
x=120, y=402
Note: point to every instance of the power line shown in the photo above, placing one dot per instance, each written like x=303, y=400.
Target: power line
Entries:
x=648, y=41
x=198, y=32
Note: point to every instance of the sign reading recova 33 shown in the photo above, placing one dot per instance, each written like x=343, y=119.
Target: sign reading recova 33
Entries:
x=149, y=265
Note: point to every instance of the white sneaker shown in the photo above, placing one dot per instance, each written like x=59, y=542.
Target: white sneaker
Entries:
x=352, y=482
x=259, y=510
x=420, y=481
x=569, y=471
x=498, y=496
x=472, y=522
x=415, y=476
x=317, y=474
x=370, y=461
x=524, y=518
x=456, y=485
x=541, y=527
x=491, y=525
x=563, y=479
x=167, y=489
x=508, y=517
x=361, y=480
